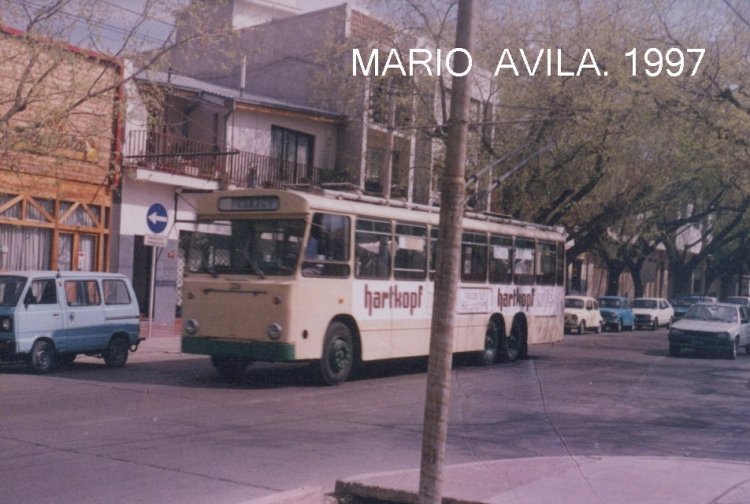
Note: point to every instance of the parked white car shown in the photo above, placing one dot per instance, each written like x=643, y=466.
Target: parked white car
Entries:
x=582, y=314
x=651, y=313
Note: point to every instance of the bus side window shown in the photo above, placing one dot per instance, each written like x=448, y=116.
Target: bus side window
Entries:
x=501, y=259
x=373, y=244
x=474, y=257
x=327, y=248
x=523, y=262
x=410, y=257
x=545, y=263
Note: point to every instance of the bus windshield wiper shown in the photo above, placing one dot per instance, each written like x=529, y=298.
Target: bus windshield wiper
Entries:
x=254, y=265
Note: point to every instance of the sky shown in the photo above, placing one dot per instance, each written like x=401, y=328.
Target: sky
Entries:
x=114, y=19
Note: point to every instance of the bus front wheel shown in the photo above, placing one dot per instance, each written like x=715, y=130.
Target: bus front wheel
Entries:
x=337, y=360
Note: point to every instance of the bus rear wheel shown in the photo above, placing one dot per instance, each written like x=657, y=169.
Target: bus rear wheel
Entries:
x=337, y=360
x=512, y=346
x=491, y=344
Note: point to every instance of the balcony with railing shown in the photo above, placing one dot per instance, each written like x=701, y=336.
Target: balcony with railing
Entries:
x=183, y=156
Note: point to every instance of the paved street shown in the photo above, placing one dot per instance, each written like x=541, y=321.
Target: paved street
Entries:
x=166, y=429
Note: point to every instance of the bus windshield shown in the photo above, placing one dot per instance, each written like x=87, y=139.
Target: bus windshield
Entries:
x=262, y=247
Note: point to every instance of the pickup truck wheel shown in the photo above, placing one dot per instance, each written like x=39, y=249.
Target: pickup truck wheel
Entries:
x=582, y=327
x=117, y=351
x=655, y=324
x=732, y=354
x=41, y=360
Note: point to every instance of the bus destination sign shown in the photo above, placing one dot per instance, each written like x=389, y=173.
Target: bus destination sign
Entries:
x=248, y=203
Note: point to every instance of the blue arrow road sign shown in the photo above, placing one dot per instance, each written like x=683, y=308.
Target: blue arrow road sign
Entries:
x=157, y=218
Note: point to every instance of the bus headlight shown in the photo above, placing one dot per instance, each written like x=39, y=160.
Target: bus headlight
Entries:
x=273, y=331
x=191, y=327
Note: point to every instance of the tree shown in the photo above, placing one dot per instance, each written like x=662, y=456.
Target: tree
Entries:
x=38, y=100
x=437, y=400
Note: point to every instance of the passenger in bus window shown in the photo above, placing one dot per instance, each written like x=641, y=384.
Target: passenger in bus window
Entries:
x=311, y=250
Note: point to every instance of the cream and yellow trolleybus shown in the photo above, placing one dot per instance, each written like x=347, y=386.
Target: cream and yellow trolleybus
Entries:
x=336, y=278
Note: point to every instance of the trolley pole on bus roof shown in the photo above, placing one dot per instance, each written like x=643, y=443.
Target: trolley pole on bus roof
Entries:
x=435, y=430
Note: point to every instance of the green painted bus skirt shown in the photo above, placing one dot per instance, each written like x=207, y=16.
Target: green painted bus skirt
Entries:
x=253, y=350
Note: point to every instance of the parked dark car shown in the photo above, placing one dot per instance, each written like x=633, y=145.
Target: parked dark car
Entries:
x=738, y=300
x=682, y=304
x=616, y=312
x=712, y=327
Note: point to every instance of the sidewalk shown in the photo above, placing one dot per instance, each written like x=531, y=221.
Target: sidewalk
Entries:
x=165, y=338
x=563, y=480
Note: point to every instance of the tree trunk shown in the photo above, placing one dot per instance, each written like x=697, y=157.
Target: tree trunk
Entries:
x=635, y=274
x=437, y=399
x=614, y=270
x=681, y=277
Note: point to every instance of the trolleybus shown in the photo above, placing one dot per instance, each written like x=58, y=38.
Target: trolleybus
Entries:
x=338, y=278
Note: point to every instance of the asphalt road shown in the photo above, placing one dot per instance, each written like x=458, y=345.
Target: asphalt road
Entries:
x=166, y=429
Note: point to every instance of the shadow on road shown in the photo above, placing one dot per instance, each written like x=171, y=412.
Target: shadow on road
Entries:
x=198, y=372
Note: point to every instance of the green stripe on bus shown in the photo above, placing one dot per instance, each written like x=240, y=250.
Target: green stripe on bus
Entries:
x=254, y=350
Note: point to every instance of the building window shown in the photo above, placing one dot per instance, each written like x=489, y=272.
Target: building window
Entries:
x=293, y=150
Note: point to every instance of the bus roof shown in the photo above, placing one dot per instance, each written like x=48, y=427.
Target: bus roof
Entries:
x=303, y=202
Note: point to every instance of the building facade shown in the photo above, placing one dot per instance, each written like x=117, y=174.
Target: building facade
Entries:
x=391, y=139
x=59, y=142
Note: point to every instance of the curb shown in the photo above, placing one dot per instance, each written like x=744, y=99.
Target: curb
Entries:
x=354, y=492
x=302, y=495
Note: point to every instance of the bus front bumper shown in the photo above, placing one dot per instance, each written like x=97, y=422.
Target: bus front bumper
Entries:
x=253, y=350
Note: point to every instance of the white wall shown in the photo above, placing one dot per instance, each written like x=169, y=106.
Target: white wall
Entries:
x=251, y=131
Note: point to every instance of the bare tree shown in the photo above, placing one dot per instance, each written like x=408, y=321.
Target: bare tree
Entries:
x=44, y=42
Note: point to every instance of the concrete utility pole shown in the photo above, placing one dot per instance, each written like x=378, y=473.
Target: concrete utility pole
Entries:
x=435, y=429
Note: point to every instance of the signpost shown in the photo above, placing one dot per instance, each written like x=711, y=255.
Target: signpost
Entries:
x=157, y=219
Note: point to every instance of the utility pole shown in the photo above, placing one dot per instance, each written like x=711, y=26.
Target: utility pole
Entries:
x=437, y=401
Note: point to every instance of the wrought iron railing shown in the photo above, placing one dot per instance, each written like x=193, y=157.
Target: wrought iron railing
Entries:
x=184, y=156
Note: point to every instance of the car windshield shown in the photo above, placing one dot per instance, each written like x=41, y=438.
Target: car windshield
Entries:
x=610, y=303
x=644, y=303
x=258, y=247
x=712, y=312
x=573, y=303
x=685, y=302
x=10, y=289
